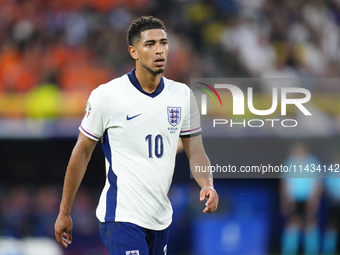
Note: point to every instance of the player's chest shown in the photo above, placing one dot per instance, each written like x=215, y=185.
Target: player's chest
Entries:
x=165, y=114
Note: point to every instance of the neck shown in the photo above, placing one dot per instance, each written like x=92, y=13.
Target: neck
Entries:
x=147, y=81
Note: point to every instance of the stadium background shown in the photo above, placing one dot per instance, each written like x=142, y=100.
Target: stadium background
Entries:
x=53, y=53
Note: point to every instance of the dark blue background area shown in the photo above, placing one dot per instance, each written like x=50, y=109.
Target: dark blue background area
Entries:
x=248, y=212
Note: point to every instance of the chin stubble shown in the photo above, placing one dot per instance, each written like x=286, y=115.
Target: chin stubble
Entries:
x=154, y=73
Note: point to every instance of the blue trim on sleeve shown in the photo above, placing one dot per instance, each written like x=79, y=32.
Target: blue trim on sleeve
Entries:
x=88, y=133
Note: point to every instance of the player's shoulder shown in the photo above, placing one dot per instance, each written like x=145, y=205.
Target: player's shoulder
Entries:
x=177, y=86
x=114, y=84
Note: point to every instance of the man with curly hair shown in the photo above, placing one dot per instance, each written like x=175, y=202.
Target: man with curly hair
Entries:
x=139, y=118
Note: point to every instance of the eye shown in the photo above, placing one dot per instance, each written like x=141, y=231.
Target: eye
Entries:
x=164, y=42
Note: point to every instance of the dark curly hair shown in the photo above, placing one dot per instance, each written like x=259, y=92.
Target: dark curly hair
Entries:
x=142, y=24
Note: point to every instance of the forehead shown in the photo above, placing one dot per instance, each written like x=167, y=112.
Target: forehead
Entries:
x=153, y=34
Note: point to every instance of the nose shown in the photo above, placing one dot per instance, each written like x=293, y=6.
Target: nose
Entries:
x=159, y=49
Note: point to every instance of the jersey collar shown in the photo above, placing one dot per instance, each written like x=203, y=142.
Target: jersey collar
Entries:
x=135, y=82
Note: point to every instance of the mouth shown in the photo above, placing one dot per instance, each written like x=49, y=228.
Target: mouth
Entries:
x=160, y=61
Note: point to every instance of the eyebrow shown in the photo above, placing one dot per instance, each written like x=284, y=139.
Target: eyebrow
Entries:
x=153, y=41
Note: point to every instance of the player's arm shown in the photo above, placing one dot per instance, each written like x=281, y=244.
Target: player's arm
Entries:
x=76, y=168
x=194, y=149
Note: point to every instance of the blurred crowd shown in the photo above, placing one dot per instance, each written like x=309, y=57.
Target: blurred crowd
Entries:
x=30, y=211
x=77, y=45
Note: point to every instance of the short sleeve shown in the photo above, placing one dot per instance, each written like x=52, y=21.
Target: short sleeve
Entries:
x=191, y=126
x=97, y=115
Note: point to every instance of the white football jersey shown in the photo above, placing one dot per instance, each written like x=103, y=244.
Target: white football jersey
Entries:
x=139, y=133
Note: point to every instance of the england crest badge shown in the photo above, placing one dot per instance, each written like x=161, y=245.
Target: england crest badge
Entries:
x=174, y=115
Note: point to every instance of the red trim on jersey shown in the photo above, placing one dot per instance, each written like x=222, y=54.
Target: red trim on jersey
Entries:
x=186, y=131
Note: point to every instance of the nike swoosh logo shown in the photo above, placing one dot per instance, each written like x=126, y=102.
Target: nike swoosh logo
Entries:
x=130, y=118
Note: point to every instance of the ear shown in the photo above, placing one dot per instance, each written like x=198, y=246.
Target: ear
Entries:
x=133, y=52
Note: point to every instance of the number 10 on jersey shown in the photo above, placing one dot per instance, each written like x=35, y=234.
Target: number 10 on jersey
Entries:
x=157, y=144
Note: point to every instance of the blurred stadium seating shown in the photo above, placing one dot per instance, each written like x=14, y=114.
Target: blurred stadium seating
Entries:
x=53, y=53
